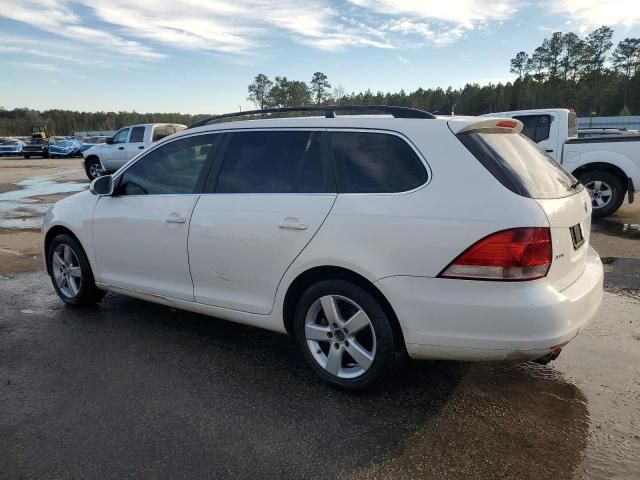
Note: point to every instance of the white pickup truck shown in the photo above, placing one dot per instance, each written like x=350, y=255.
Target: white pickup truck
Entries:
x=609, y=167
x=123, y=146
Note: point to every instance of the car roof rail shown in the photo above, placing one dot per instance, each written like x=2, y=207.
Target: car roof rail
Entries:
x=328, y=110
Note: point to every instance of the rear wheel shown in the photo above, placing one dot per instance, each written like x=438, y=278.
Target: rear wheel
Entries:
x=93, y=168
x=345, y=335
x=605, y=189
x=71, y=273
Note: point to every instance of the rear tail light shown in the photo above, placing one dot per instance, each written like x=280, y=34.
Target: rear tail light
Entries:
x=510, y=255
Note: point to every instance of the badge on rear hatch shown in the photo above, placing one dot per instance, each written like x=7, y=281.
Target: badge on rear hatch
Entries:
x=576, y=236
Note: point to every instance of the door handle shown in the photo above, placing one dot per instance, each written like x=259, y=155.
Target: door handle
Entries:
x=175, y=218
x=140, y=147
x=549, y=151
x=292, y=223
x=120, y=148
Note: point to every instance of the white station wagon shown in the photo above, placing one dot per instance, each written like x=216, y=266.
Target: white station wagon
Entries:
x=367, y=237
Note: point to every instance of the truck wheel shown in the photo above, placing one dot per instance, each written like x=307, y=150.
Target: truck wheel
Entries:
x=605, y=189
x=93, y=168
x=27, y=156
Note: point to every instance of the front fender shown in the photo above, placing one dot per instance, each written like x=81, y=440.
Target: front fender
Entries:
x=74, y=213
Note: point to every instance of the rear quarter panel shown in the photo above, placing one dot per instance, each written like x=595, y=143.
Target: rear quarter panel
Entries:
x=419, y=233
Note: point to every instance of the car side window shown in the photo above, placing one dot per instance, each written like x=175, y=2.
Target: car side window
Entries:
x=273, y=162
x=173, y=168
x=137, y=135
x=536, y=127
x=121, y=135
x=368, y=162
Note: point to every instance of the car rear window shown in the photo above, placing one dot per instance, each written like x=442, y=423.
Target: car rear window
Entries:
x=518, y=163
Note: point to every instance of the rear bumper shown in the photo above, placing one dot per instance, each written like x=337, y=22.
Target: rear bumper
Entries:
x=471, y=320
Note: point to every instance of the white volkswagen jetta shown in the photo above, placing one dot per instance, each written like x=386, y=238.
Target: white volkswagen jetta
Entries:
x=365, y=236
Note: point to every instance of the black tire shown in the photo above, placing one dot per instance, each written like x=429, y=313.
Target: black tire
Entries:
x=27, y=157
x=90, y=166
x=386, y=357
x=613, y=182
x=87, y=294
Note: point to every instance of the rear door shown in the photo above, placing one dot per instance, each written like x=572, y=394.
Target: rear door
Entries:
x=268, y=195
x=135, y=144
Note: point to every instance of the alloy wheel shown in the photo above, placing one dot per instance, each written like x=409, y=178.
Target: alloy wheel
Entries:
x=95, y=170
x=66, y=270
x=340, y=336
x=599, y=192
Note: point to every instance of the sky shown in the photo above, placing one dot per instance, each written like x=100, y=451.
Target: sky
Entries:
x=198, y=56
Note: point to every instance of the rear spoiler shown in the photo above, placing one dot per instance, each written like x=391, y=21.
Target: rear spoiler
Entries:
x=486, y=125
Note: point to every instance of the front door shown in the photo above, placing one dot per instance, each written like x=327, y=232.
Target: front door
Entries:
x=140, y=233
x=273, y=192
x=112, y=154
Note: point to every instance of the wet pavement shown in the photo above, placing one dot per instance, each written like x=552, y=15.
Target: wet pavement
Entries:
x=132, y=389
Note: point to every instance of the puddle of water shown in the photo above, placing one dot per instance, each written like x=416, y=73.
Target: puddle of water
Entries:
x=38, y=186
x=625, y=230
x=19, y=211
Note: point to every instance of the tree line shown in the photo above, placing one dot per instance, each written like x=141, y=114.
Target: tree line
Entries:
x=584, y=73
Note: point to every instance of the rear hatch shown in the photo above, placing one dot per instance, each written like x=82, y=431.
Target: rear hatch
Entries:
x=522, y=167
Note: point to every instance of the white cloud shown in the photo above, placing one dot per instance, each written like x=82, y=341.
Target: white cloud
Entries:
x=590, y=14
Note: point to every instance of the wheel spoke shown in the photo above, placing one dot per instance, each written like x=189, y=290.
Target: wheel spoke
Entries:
x=316, y=332
x=359, y=354
x=334, y=361
x=75, y=272
x=597, y=185
x=66, y=253
x=606, y=192
x=330, y=309
x=357, y=322
x=57, y=259
x=73, y=285
x=599, y=202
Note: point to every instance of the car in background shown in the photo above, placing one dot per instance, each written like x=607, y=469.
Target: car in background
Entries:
x=603, y=132
x=366, y=237
x=88, y=142
x=64, y=148
x=608, y=166
x=11, y=147
x=123, y=146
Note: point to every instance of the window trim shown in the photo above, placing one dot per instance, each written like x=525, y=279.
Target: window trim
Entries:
x=415, y=149
x=214, y=174
x=206, y=168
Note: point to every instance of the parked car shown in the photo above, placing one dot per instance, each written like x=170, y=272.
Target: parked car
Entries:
x=608, y=166
x=603, y=132
x=363, y=236
x=65, y=147
x=123, y=146
x=88, y=142
x=11, y=147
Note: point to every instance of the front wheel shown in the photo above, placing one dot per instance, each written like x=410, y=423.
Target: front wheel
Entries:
x=27, y=157
x=345, y=334
x=71, y=273
x=93, y=168
x=605, y=189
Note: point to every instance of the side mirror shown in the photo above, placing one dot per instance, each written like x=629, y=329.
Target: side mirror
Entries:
x=102, y=185
x=109, y=141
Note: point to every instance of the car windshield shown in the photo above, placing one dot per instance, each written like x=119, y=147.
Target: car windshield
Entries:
x=9, y=142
